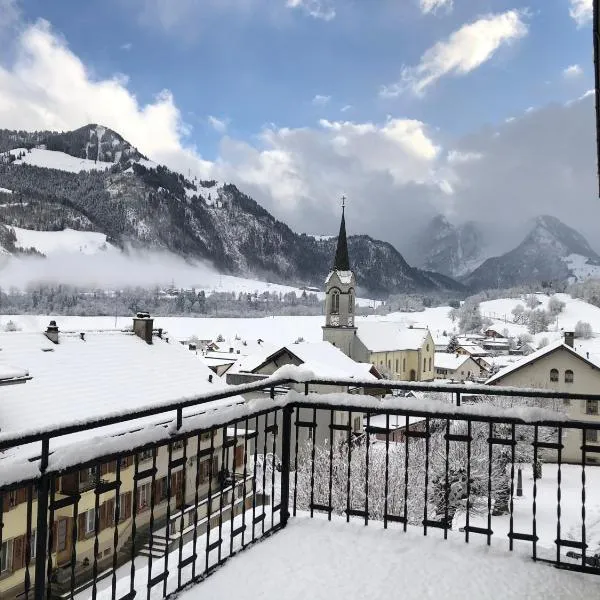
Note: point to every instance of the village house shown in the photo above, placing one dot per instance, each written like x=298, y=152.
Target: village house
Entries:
x=456, y=366
x=82, y=375
x=560, y=367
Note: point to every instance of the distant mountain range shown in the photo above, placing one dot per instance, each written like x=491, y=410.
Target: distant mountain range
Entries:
x=93, y=180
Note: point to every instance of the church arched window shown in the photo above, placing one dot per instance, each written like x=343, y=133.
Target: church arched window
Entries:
x=335, y=303
x=350, y=303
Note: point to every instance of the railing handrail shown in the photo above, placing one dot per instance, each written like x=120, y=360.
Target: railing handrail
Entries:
x=300, y=377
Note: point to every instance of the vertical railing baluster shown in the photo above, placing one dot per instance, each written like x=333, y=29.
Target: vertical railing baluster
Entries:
x=168, y=521
x=196, y=501
x=367, y=470
x=426, y=499
x=349, y=456
x=386, y=482
x=244, y=489
x=558, y=494
x=233, y=487
x=151, y=529
x=512, y=487
x=286, y=442
x=274, y=454
x=27, y=581
x=312, y=463
x=330, y=484
x=447, y=481
x=41, y=543
x=182, y=513
x=224, y=469
x=74, y=536
x=254, y=483
x=297, y=414
x=583, y=540
x=51, y=540
x=406, y=466
x=134, y=511
x=116, y=517
x=468, y=513
x=96, y=530
x=489, y=487
x=209, y=500
x=534, y=507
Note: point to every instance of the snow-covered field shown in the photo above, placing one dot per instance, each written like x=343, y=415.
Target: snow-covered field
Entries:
x=61, y=242
x=57, y=160
x=340, y=561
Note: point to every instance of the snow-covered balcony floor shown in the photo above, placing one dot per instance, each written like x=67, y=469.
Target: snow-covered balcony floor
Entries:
x=315, y=559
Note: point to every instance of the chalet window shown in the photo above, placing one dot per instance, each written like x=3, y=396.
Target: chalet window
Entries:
x=335, y=303
x=205, y=469
x=61, y=532
x=430, y=363
x=553, y=374
x=569, y=376
x=90, y=521
x=205, y=437
x=396, y=365
x=350, y=303
x=404, y=364
x=591, y=435
x=145, y=455
x=389, y=364
x=424, y=364
x=357, y=424
x=178, y=445
x=6, y=553
x=143, y=495
x=591, y=407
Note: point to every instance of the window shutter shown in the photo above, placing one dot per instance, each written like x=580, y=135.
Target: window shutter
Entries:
x=5, y=502
x=110, y=512
x=54, y=536
x=158, y=486
x=103, y=516
x=18, y=561
x=81, y=527
x=126, y=508
x=21, y=495
x=69, y=483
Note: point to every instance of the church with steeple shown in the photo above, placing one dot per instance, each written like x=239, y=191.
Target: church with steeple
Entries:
x=339, y=328
x=399, y=352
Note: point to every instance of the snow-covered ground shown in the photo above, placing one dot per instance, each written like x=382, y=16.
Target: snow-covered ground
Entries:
x=337, y=561
x=61, y=242
x=52, y=159
x=581, y=268
x=5, y=191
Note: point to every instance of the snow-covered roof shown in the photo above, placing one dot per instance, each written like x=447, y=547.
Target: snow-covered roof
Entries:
x=10, y=372
x=388, y=336
x=80, y=379
x=345, y=277
x=530, y=358
x=449, y=361
x=474, y=349
x=321, y=358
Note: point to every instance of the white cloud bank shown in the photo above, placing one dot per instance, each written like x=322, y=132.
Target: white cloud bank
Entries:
x=581, y=11
x=464, y=51
x=572, y=72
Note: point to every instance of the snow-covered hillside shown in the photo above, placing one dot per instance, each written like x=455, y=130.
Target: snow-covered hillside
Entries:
x=62, y=242
x=52, y=159
x=582, y=267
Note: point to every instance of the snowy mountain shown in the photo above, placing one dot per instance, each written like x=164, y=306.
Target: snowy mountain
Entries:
x=551, y=251
x=92, y=180
x=449, y=249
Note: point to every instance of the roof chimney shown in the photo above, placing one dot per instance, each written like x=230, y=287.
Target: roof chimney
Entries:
x=142, y=326
x=52, y=332
x=570, y=338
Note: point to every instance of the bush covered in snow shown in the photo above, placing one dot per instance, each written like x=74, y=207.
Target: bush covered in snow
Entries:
x=583, y=330
x=555, y=306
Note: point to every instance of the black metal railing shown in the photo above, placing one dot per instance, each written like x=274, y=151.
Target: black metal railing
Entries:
x=172, y=491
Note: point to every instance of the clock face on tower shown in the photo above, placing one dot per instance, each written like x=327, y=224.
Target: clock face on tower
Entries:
x=335, y=320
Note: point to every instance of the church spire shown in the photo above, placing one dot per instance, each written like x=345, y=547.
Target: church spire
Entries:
x=342, y=262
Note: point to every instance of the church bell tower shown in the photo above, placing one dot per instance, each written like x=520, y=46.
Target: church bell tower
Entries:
x=340, y=284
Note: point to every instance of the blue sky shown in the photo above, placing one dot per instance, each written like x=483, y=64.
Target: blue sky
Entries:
x=477, y=109
x=256, y=66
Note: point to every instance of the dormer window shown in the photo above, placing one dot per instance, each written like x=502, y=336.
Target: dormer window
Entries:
x=335, y=303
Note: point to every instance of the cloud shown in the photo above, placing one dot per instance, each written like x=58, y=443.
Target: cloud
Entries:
x=464, y=51
x=346, y=108
x=457, y=157
x=320, y=100
x=432, y=6
x=127, y=46
x=318, y=9
x=581, y=11
x=572, y=72
x=219, y=125
x=47, y=87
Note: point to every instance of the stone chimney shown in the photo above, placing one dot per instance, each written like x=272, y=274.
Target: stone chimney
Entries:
x=52, y=332
x=143, y=325
x=570, y=338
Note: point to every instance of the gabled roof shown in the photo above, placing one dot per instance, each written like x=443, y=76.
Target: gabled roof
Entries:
x=80, y=379
x=531, y=358
x=322, y=358
x=449, y=361
x=389, y=336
